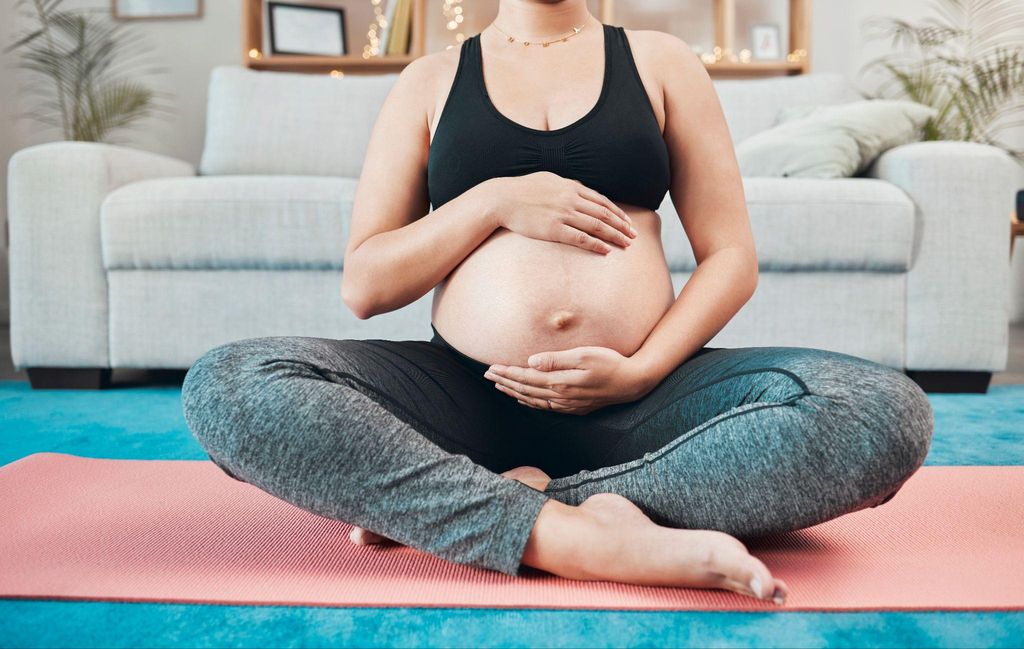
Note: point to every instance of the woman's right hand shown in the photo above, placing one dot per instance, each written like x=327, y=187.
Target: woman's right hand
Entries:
x=543, y=205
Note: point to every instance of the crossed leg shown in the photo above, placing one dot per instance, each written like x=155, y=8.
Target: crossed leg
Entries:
x=393, y=437
x=746, y=441
x=753, y=441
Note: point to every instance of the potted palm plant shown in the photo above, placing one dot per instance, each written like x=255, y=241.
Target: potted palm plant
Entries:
x=967, y=62
x=78, y=62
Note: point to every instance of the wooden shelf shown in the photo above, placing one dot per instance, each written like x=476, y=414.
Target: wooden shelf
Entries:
x=799, y=40
x=724, y=16
x=252, y=42
x=760, y=68
x=296, y=63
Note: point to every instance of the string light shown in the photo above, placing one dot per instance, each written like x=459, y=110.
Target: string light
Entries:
x=796, y=55
x=372, y=47
x=255, y=54
x=720, y=55
x=453, y=17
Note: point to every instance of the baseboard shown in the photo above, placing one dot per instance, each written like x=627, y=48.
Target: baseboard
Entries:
x=951, y=380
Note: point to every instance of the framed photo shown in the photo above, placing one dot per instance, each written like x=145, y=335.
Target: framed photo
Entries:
x=149, y=9
x=765, y=41
x=306, y=29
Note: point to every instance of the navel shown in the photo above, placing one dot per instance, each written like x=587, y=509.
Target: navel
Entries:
x=562, y=319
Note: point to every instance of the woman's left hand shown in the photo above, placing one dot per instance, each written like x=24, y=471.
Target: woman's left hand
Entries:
x=574, y=381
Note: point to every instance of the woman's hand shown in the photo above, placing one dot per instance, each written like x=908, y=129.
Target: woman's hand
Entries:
x=574, y=381
x=543, y=205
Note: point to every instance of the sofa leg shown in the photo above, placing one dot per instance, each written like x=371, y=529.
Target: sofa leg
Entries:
x=951, y=381
x=65, y=378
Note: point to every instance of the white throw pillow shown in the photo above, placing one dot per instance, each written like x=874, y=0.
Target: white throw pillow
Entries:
x=833, y=141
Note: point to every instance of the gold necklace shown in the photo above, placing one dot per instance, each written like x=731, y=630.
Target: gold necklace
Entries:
x=512, y=39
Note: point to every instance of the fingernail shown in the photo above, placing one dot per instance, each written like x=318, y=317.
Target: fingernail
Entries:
x=632, y=230
x=755, y=585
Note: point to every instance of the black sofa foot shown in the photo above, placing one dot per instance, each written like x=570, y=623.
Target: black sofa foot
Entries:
x=951, y=381
x=69, y=378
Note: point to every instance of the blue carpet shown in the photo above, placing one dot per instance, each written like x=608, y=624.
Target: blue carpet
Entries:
x=146, y=423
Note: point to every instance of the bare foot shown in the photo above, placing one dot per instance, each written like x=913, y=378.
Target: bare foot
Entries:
x=609, y=538
x=528, y=475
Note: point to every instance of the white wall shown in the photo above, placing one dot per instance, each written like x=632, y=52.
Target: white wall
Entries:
x=190, y=48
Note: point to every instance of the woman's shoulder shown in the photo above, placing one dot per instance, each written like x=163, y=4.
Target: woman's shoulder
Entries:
x=660, y=52
x=425, y=79
x=428, y=72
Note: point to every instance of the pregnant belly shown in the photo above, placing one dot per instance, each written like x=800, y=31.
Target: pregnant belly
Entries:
x=514, y=296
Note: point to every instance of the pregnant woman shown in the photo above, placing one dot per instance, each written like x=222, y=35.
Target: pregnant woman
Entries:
x=567, y=413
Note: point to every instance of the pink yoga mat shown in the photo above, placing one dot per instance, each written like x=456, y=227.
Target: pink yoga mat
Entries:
x=183, y=531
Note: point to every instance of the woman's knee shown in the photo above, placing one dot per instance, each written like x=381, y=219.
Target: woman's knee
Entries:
x=226, y=386
x=906, y=421
x=884, y=417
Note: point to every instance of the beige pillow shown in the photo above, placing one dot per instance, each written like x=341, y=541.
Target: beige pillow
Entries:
x=835, y=141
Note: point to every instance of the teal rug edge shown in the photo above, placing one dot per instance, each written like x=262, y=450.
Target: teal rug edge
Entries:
x=30, y=623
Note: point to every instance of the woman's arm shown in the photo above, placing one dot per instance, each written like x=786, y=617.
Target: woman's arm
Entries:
x=707, y=191
x=394, y=254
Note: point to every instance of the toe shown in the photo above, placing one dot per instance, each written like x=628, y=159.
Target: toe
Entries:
x=361, y=536
x=752, y=578
x=762, y=584
x=781, y=592
x=530, y=476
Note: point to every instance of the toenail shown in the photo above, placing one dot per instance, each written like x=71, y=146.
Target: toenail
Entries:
x=778, y=597
x=755, y=585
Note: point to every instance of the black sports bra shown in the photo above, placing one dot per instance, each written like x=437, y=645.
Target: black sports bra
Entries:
x=616, y=148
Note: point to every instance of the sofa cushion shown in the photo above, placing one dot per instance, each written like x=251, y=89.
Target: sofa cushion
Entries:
x=831, y=141
x=753, y=105
x=261, y=122
x=295, y=222
x=227, y=222
x=810, y=224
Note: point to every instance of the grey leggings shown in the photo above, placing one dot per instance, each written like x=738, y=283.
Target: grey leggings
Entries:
x=406, y=438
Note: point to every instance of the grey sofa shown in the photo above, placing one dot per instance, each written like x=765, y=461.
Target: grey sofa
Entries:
x=127, y=259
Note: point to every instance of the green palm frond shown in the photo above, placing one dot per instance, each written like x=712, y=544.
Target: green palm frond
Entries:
x=967, y=63
x=79, y=63
x=117, y=105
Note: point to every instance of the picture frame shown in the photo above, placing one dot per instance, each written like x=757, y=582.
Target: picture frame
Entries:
x=306, y=29
x=765, y=41
x=155, y=9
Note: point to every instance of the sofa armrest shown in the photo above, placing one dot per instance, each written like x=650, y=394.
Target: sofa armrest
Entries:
x=958, y=284
x=58, y=285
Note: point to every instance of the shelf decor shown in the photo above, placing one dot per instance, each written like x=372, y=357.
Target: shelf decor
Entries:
x=764, y=42
x=723, y=60
x=306, y=29
x=366, y=60
x=376, y=56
